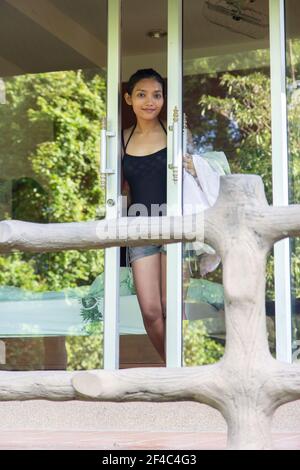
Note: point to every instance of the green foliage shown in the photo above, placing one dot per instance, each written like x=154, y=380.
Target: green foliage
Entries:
x=74, y=106
x=198, y=348
x=242, y=112
x=18, y=270
x=244, y=107
x=49, y=146
x=86, y=352
x=50, y=131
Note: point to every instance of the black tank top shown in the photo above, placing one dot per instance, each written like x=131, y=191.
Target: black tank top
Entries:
x=147, y=179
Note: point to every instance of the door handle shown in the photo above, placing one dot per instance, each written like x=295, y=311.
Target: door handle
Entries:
x=103, y=153
x=175, y=148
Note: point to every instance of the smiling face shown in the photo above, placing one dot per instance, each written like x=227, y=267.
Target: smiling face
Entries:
x=146, y=98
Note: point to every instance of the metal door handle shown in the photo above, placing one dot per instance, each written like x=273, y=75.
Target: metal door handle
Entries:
x=175, y=148
x=103, y=153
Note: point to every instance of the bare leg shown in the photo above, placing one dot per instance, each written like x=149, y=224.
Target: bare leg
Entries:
x=163, y=261
x=164, y=286
x=147, y=279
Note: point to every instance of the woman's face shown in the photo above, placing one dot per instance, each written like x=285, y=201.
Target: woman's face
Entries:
x=146, y=98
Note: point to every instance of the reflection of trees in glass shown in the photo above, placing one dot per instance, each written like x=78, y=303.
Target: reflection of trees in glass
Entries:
x=198, y=347
x=49, y=148
x=242, y=110
x=293, y=58
x=244, y=60
x=293, y=102
x=233, y=114
x=86, y=352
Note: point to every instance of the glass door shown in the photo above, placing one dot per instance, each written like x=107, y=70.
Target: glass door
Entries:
x=292, y=51
x=175, y=141
x=143, y=46
x=218, y=57
x=227, y=118
x=110, y=181
x=52, y=97
x=215, y=58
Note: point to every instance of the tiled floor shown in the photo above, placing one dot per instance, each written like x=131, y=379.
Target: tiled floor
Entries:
x=93, y=440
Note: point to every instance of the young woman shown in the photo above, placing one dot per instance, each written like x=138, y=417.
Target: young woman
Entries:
x=144, y=168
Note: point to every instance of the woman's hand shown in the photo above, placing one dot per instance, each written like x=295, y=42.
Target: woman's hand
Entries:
x=189, y=165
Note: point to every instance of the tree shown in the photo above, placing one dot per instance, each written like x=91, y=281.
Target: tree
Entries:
x=49, y=146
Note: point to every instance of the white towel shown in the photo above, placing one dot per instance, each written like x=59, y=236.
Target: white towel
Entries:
x=196, y=197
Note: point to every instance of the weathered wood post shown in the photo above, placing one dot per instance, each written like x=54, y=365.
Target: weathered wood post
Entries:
x=248, y=384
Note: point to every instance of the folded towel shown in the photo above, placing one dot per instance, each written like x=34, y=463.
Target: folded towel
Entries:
x=200, y=193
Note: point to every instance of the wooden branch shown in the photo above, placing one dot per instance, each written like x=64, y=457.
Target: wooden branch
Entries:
x=125, y=231
x=287, y=380
x=48, y=385
x=152, y=384
x=281, y=222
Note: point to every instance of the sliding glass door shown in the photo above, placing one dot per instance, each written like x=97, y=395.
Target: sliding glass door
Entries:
x=53, y=63
x=211, y=58
x=226, y=106
x=64, y=67
x=144, y=44
x=292, y=49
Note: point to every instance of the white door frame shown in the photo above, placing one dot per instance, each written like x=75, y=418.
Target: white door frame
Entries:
x=112, y=255
x=174, y=188
x=282, y=271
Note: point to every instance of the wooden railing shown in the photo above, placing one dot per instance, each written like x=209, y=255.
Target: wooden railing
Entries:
x=247, y=385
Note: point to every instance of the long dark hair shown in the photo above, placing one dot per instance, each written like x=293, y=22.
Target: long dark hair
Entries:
x=144, y=73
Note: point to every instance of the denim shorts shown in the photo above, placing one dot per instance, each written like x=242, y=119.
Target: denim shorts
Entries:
x=135, y=252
